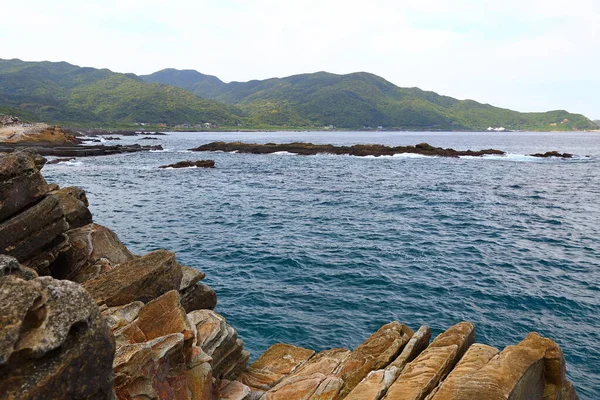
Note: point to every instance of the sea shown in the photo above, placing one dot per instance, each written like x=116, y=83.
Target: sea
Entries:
x=320, y=251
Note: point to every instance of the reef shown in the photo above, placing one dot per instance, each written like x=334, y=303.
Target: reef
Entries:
x=81, y=316
x=191, y=164
x=360, y=150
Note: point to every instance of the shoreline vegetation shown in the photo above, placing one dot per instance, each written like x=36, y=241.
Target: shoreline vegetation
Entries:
x=72, y=96
x=83, y=317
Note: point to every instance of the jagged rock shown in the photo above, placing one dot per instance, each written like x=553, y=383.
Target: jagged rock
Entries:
x=21, y=183
x=10, y=266
x=94, y=250
x=27, y=235
x=424, y=373
x=75, y=206
x=53, y=342
x=273, y=365
x=118, y=317
x=153, y=370
x=233, y=390
x=311, y=379
x=219, y=340
x=190, y=276
x=198, y=297
x=533, y=369
x=375, y=353
x=417, y=343
x=141, y=279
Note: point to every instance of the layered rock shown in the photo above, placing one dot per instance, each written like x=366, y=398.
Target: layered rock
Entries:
x=377, y=383
x=375, y=353
x=94, y=250
x=21, y=183
x=141, y=279
x=75, y=206
x=533, y=369
x=423, y=374
x=53, y=342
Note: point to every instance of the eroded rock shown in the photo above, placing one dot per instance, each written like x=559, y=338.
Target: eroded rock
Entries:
x=53, y=342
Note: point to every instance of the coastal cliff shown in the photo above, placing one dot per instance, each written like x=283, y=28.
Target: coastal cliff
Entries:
x=83, y=317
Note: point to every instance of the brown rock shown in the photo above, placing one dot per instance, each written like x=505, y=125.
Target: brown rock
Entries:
x=233, y=390
x=21, y=183
x=94, y=250
x=219, y=340
x=533, y=369
x=154, y=369
x=27, y=234
x=75, y=205
x=198, y=297
x=164, y=316
x=191, y=164
x=190, y=276
x=476, y=357
x=375, y=353
x=273, y=365
x=53, y=342
x=423, y=374
x=141, y=279
x=120, y=316
x=417, y=343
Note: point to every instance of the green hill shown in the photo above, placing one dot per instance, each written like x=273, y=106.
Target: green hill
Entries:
x=65, y=93
x=359, y=100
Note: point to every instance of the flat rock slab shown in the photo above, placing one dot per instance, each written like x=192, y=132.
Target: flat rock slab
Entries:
x=141, y=279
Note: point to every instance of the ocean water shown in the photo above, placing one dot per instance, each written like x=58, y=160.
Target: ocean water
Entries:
x=320, y=251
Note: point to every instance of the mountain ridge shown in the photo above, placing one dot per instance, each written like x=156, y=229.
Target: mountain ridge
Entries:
x=59, y=92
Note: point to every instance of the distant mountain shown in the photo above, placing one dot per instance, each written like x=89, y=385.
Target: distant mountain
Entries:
x=359, y=100
x=597, y=122
x=61, y=92
x=64, y=93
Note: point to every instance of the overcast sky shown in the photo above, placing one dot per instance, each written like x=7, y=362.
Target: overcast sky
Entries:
x=528, y=55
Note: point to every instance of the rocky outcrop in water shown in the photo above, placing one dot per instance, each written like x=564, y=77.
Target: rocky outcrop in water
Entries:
x=101, y=322
x=191, y=164
x=549, y=154
x=360, y=150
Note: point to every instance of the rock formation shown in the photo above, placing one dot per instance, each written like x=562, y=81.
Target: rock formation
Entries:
x=191, y=164
x=360, y=150
x=81, y=317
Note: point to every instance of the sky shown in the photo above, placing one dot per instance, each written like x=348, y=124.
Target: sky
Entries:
x=526, y=55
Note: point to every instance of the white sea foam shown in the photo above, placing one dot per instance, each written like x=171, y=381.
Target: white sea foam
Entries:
x=72, y=163
x=284, y=153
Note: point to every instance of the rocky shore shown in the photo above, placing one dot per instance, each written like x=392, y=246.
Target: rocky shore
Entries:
x=360, y=150
x=54, y=141
x=81, y=317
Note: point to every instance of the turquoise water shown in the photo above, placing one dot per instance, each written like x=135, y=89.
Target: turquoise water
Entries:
x=320, y=251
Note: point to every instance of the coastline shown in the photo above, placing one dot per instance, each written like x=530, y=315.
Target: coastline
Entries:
x=161, y=323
